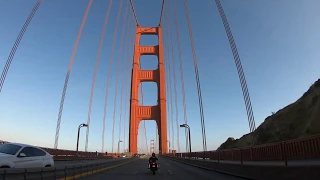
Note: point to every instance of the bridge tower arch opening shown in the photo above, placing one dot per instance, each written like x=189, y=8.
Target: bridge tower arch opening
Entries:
x=144, y=140
x=140, y=112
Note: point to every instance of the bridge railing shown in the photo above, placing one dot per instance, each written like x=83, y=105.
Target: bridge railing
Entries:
x=62, y=153
x=61, y=172
x=298, y=149
x=69, y=153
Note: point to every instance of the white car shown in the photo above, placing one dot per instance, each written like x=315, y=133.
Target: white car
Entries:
x=16, y=155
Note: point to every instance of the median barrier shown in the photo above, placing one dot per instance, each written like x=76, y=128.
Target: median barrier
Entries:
x=260, y=172
x=60, y=173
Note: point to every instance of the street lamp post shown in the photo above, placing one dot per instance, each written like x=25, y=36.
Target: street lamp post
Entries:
x=119, y=146
x=188, y=127
x=80, y=126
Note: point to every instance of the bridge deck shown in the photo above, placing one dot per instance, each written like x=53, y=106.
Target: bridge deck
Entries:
x=168, y=170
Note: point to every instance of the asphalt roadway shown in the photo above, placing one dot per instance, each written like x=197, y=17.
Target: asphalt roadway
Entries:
x=72, y=163
x=168, y=170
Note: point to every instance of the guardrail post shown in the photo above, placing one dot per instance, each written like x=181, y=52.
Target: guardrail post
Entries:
x=232, y=154
x=24, y=174
x=241, y=156
x=87, y=169
x=284, y=153
x=65, y=173
x=81, y=171
x=41, y=173
x=54, y=173
x=4, y=174
x=73, y=171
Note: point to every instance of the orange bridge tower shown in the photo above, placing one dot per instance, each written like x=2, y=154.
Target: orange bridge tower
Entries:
x=157, y=112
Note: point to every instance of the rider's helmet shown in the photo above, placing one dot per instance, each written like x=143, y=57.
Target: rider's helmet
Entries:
x=153, y=154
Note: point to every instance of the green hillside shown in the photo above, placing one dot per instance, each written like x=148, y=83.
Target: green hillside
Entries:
x=299, y=119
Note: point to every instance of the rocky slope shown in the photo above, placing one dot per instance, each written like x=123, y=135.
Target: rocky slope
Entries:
x=299, y=119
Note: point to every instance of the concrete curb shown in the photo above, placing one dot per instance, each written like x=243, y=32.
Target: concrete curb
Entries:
x=209, y=169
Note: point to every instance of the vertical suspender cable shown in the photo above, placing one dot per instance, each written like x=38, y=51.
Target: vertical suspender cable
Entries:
x=175, y=81
x=128, y=80
x=166, y=53
x=185, y=117
x=117, y=76
x=204, y=141
x=68, y=74
x=169, y=77
x=97, y=65
x=124, y=83
x=110, y=65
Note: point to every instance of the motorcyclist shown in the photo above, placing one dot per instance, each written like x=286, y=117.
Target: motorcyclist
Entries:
x=153, y=158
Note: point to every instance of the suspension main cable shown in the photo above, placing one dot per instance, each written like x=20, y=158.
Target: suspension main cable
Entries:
x=110, y=65
x=97, y=65
x=68, y=74
x=242, y=78
x=134, y=13
x=161, y=12
x=204, y=141
x=17, y=43
x=117, y=74
x=181, y=71
x=174, y=79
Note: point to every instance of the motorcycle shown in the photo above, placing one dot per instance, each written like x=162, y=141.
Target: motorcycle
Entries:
x=153, y=167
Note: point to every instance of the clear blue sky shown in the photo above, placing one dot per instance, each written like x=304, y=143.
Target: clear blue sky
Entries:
x=278, y=43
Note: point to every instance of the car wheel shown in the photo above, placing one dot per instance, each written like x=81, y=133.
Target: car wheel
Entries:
x=48, y=166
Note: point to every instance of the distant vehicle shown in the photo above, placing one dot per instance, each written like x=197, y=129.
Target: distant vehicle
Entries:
x=16, y=155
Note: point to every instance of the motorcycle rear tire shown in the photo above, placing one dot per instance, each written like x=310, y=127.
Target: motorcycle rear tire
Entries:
x=154, y=172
